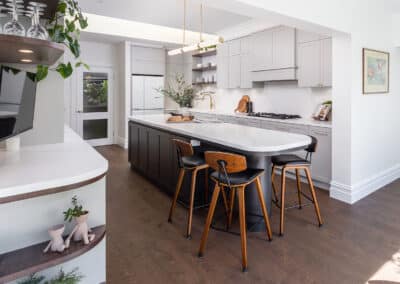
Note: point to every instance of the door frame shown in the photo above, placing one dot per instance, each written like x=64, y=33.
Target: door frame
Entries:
x=78, y=106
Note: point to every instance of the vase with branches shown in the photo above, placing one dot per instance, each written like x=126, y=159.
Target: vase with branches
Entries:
x=179, y=91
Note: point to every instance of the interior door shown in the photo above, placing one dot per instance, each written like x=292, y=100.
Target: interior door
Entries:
x=94, y=106
x=152, y=98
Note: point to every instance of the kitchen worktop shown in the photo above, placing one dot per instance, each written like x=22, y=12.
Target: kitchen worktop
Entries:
x=41, y=167
x=241, y=137
x=301, y=121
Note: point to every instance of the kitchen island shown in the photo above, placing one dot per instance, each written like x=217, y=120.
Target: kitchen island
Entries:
x=152, y=153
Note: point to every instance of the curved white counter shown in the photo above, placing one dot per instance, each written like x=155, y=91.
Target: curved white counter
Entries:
x=37, y=168
x=241, y=137
x=36, y=186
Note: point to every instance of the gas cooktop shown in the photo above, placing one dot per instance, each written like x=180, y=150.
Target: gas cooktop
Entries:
x=274, y=115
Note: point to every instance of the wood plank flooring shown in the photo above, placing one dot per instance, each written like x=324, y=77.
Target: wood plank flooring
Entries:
x=357, y=244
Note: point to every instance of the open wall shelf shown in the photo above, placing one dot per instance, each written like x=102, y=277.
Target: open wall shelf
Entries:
x=29, y=260
x=203, y=69
x=24, y=50
x=204, y=83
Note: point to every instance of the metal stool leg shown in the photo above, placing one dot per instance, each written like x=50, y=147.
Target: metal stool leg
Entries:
x=273, y=185
x=232, y=204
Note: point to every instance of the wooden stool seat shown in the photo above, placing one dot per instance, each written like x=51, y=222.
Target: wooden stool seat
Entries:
x=231, y=172
x=188, y=161
x=292, y=162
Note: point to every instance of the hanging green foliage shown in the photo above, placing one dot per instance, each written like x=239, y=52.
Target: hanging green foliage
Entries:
x=65, y=28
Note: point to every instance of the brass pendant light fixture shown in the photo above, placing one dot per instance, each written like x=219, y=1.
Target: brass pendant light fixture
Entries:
x=198, y=46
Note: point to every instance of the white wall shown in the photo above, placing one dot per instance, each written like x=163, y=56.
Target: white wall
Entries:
x=96, y=54
x=48, y=124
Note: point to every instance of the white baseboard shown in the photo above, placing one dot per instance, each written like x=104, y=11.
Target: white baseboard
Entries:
x=352, y=194
x=121, y=141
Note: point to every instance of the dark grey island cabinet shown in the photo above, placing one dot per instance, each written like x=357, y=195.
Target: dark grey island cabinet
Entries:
x=153, y=154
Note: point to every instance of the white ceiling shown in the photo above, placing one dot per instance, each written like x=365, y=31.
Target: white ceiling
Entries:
x=164, y=12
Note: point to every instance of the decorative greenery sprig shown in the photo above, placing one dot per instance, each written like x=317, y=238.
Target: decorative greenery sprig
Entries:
x=72, y=277
x=75, y=211
x=65, y=28
x=179, y=91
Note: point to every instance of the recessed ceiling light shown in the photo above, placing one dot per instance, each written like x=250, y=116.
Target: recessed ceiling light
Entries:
x=26, y=51
x=26, y=60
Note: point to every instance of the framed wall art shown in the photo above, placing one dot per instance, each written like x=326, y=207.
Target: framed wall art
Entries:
x=375, y=71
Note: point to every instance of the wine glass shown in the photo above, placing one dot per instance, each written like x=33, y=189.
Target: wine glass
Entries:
x=2, y=8
x=13, y=27
x=37, y=30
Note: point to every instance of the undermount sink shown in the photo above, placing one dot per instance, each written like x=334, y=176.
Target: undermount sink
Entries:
x=206, y=120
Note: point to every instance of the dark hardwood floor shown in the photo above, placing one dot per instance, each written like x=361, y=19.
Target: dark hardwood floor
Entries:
x=357, y=244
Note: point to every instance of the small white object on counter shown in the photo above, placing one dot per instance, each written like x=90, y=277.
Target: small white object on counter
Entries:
x=245, y=138
x=41, y=167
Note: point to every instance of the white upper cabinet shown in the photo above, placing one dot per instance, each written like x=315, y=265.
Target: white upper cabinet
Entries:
x=234, y=71
x=304, y=36
x=148, y=61
x=223, y=66
x=245, y=63
x=284, y=48
x=234, y=47
x=309, y=72
x=326, y=54
x=315, y=63
x=274, y=49
x=262, y=51
x=234, y=64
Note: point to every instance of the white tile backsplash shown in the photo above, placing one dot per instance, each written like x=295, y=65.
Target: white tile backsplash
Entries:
x=281, y=97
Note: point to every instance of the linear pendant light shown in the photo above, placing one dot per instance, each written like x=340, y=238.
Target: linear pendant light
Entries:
x=201, y=44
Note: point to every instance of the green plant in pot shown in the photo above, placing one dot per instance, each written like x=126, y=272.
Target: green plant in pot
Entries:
x=179, y=91
x=81, y=231
x=75, y=211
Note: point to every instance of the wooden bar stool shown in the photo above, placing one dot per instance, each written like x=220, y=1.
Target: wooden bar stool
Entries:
x=296, y=163
x=188, y=161
x=231, y=171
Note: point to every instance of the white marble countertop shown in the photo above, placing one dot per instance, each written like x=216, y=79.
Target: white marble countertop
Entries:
x=302, y=121
x=244, y=138
x=41, y=167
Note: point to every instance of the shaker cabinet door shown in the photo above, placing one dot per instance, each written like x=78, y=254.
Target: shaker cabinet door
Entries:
x=309, y=64
x=234, y=71
x=326, y=62
x=223, y=66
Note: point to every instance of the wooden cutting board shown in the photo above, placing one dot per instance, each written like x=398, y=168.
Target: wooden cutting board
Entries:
x=180, y=119
x=242, y=106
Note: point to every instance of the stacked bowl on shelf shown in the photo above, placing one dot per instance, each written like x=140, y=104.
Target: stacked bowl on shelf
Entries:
x=16, y=9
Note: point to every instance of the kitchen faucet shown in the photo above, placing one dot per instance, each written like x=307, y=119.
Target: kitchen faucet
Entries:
x=209, y=94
